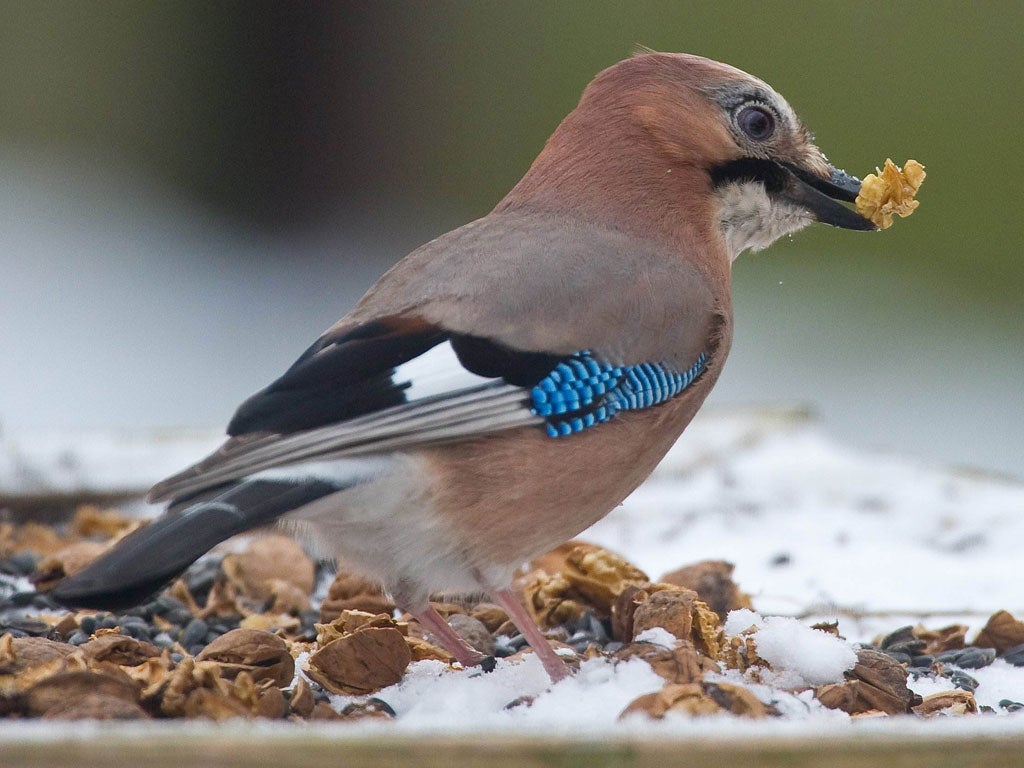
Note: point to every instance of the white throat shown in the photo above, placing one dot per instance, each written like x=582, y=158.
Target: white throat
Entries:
x=751, y=218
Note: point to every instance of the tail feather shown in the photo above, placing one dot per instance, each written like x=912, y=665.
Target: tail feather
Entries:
x=145, y=560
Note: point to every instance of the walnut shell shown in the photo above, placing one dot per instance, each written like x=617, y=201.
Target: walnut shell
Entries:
x=361, y=662
x=261, y=654
x=20, y=653
x=955, y=702
x=683, y=664
x=267, y=559
x=1002, y=631
x=119, y=649
x=712, y=581
x=95, y=706
x=69, y=686
x=574, y=578
x=353, y=591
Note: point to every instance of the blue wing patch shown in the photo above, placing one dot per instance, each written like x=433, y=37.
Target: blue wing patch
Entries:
x=585, y=390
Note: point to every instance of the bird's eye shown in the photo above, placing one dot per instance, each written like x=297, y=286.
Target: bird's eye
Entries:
x=756, y=122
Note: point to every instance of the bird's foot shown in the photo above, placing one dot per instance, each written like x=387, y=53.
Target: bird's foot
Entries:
x=464, y=653
x=554, y=665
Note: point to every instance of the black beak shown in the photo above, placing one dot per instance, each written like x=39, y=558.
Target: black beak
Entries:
x=819, y=196
x=801, y=186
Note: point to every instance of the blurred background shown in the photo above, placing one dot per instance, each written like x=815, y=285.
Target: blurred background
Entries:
x=191, y=192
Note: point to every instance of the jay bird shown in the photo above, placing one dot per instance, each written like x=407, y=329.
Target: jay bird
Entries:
x=506, y=385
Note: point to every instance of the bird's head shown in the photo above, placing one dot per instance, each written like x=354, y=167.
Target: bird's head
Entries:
x=665, y=138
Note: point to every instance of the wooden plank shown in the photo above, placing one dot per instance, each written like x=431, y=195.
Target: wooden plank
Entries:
x=107, y=747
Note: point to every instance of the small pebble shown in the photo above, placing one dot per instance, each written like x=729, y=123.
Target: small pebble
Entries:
x=976, y=658
x=180, y=616
x=108, y=622
x=1010, y=705
x=78, y=637
x=200, y=577
x=518, y=642
x=219, y=628
x=138, y=630
x=1014, y=655
x=521, y=701
x=195, y=631
x=909, y=647
x=924, y=660
x=962, y=680
x=902, y=635
x=163, y=640
x=502, y=649
x=165, y=603
x=580, y=641
x=382, y=706
x=20, y=564
x=30, y=627
x=88, y=624
x=319, y=694
x=307, y=623
x=601, y=633
x=177, y=657
x=144, y=611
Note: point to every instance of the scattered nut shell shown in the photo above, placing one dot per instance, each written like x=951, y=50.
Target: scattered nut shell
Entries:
x=92, y=522
x=262, y=655
x=361, y=662
x=302, y=701
x=955, y=702
x=576, y=577
x=64, y=562
x=70, y=686
x=1001, y=632
x=268, y=559
x=95, y=706
x=712, y=581
x=682, y=664
x=20, y=653
x=876, y=682
x=119, y=649
x=939, y=640
x=353, y=591
x=688, y=698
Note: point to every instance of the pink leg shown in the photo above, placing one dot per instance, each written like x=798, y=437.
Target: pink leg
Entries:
x=464, y=653
x=553, y=664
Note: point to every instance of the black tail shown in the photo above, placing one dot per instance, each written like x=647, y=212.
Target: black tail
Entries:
x=147, y=559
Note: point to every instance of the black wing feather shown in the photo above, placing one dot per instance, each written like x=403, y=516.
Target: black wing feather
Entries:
x=146, y=559
x=489, y=358
x=337, y=378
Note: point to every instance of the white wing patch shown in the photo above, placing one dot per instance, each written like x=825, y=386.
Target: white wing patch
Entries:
x=436, y=372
